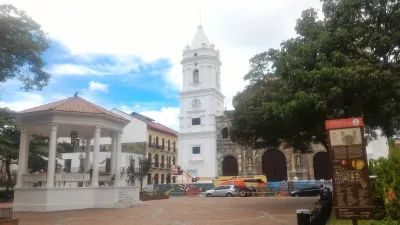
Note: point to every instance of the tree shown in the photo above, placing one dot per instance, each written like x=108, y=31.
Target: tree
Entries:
x=387, y=183
x=140, y=173
x=22, y=42
x=328, y=71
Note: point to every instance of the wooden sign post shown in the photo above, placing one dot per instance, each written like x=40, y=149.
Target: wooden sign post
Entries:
x=352, y=197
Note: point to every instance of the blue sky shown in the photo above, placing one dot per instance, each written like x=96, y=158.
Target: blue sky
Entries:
x=126, y=54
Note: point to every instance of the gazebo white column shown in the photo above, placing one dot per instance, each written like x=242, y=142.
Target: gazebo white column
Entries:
x=95, y=163
x=22, y=157
x=87, y=156
x=51, y=163
x=117, y=177
x=113, y=152
x=28, y=142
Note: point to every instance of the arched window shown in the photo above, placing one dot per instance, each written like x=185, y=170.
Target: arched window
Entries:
x=156, y=142
x=196, y=76
x=149, y=157
x=149, y=140
x=162, y=161
x=173, y=161
x=162, y=143
x=162, y=178
x=173, y=146
x=169, y=145
x=149, y=178
x=225, y=133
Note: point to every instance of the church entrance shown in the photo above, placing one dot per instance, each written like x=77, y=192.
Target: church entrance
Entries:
x=230, y=166
x=321, y=166
x=274, y=165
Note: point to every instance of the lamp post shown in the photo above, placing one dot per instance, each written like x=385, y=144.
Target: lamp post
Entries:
x=74, y=135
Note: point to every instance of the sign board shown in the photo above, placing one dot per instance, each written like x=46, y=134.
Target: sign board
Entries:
x=352, y=197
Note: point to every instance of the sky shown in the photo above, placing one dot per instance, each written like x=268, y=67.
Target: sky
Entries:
x=126, y=54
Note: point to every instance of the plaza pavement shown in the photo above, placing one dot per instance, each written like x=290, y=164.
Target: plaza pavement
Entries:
x=184, y=211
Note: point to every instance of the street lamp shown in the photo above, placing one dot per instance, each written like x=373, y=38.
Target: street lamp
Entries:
x=74, y=135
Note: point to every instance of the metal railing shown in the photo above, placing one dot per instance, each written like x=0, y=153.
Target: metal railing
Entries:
x=321, y=215
x=6, y=212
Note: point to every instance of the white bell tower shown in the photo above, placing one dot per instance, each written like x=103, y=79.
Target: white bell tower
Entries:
x=200, y=101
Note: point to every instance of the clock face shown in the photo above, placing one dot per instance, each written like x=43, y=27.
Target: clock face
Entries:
x=196, y=103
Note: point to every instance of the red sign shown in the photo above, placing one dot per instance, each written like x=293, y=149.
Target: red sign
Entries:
x=344, y=123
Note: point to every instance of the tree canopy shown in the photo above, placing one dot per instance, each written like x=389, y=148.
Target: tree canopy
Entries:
x=22, y=43
x=345, y=65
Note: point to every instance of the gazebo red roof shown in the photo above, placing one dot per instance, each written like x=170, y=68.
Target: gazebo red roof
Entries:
x=73, y=104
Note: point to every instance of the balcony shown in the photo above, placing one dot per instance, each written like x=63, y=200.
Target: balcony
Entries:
x=158, y=147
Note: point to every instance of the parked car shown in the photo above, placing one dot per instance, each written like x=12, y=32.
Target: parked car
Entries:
x=222, y=191
x=307, y=192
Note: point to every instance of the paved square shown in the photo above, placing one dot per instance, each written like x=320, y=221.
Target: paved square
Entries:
x=182, y=210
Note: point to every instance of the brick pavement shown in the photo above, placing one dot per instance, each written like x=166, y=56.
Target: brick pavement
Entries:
x=183, y=211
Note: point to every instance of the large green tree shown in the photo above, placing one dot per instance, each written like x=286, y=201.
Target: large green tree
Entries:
x=22, y=43
x=343, y=66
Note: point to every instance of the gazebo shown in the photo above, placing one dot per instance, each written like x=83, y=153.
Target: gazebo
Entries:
x=73, y=117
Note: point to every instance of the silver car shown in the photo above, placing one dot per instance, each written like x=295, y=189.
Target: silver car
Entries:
x=222, y=191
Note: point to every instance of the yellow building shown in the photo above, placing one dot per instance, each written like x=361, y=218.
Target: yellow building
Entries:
x=162, y=148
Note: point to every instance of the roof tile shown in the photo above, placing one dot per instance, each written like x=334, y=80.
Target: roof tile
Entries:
x=73, y=104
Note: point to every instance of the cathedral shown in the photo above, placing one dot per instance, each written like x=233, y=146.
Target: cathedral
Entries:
x=205, y=149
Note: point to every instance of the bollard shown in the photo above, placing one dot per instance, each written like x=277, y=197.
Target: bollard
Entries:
x=303, y=217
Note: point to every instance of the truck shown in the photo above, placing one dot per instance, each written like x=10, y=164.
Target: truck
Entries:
x=247, y=185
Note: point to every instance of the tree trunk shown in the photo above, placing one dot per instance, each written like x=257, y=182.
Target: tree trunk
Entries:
x=9, y=178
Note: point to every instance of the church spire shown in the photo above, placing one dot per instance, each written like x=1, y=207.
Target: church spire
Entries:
x=199, y=39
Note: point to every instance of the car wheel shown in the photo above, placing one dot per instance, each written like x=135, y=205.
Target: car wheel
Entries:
x=209, y=195
x=229, y=195
x=242, y=193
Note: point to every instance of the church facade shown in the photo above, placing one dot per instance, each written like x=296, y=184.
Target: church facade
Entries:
x=280, y=164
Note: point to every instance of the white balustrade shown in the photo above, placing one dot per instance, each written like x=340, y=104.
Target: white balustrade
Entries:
x=34, y=180
x=71, y=180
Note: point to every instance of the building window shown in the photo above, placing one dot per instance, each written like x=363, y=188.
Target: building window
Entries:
x=173, y=146
x=169, y=145
x=156, y=160
x=173, y=180
x=67, y=165
x=173, y=161
x=196, y=150
x=162, y=161
x=162, y=178
x=155, y=178
x=149, y=157
x=217, y=78
x=225, y=133
x=196, y=76
x=196, y=121
x=168, y=178
x=149, y=140
x=162, y=143
x=156, y=142
x=149, y=178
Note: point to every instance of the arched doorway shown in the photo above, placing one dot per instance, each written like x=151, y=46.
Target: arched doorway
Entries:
x=230, y=166
x=321, y=166
x=274, y=165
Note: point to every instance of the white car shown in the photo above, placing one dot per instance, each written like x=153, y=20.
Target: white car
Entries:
x=223, y=191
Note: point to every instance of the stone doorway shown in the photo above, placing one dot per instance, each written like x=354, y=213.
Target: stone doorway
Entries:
x=230, y=166
x=274, y=165
x=321, y=166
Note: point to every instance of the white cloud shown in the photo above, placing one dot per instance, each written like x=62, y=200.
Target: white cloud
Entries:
x=95, y=86
x=25, y=100
x=238, y=28
x=166, y=116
